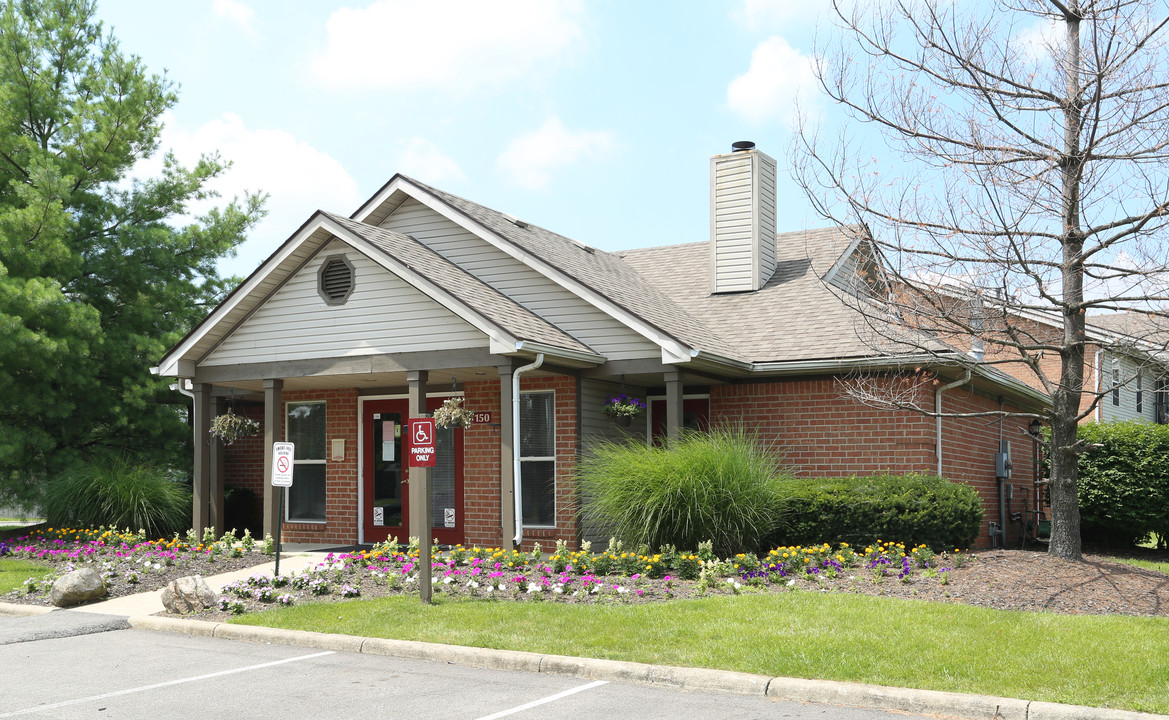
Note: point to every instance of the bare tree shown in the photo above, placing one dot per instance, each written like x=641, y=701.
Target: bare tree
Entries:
x=1034, y=137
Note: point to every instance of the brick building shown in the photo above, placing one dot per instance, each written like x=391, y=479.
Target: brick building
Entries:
x=357, y=323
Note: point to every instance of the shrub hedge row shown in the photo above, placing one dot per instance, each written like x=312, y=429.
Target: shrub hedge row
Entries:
x=1124, y=484
x=913, y=509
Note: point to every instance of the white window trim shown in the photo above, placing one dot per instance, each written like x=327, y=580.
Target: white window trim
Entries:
x=296, y=462
x=523, y=459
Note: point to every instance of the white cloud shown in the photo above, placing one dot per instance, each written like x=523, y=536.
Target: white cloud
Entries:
x=530, y=160
x=768, y=90
x=298, y=177
x=235, y=12
x=779, y=15
x=1042, y=41
x=424, y=160
x=447, y=44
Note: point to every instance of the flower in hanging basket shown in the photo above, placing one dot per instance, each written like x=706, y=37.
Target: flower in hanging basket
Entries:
x=623, y=406
x=452, y=414
x=230, y=427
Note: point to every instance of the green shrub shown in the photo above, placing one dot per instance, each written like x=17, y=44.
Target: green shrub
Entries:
x=722, y=486
x=1124, y=485
x=120, y=494
x=913, y=509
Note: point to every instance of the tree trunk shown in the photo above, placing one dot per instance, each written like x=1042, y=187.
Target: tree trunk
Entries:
x=1065, y=501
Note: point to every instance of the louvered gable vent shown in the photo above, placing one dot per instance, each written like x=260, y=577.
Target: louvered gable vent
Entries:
x=335, y=280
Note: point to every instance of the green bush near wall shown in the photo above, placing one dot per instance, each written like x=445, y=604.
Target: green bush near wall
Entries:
x=1124, y=484
x=913, y=509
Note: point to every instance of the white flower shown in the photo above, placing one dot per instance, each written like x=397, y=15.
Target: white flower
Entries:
x=499, y=587
x=447, y=580
x=558, y=589
x=533, y=587
x=621, y=589
x=472, y=584
x=791, y=582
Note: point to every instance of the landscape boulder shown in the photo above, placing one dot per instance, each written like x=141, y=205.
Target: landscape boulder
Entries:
x=187, y=595
x=80, y=586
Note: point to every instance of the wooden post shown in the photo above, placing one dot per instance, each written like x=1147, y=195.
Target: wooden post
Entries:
x=201, y=489
x=216, y=485
x=673, y=405
x=273, y=422
x=506, y=459
x=420, y=502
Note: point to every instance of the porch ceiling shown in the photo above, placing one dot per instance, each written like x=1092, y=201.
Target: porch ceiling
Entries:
x=373, y=381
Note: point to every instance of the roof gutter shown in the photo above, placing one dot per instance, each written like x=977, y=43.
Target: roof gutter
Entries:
x=573, y=357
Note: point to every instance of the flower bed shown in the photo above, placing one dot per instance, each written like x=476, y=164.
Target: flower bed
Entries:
x=129, y=563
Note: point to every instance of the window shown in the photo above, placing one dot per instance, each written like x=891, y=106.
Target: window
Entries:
x=538, y=458
x=305, y=426
x=1140, y=393
x=1115, y=382
x=335, y=280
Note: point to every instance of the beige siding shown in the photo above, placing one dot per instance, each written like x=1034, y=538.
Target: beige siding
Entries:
x=743, y=221
x=596, y=428
x=526, y=286
x=383, y=315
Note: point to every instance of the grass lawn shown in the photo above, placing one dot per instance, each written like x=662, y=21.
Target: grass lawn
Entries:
x=1106, y=661
x=1146, y=564
x=13, y=573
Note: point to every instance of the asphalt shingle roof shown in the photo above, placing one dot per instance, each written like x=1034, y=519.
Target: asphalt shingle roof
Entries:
x=471, y=291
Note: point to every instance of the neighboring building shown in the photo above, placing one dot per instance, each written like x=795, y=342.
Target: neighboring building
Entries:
x=356, y=323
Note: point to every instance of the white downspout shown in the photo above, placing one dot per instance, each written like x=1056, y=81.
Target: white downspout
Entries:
x=515, y=445
x=938, y=412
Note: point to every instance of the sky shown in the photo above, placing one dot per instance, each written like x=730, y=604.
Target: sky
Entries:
x=593, y=119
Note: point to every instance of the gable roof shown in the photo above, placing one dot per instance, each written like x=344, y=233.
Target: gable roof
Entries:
x=598, y=277
x=510, y=326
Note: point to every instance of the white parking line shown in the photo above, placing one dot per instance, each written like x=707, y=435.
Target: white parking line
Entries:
x=168, y=683
x=541, y=701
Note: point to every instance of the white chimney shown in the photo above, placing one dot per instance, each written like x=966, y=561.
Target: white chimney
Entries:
x=742, y=219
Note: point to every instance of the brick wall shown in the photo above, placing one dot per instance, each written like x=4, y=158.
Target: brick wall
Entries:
x=481, y=504
x=340, y=526
x=244, y=468
x=821, y=432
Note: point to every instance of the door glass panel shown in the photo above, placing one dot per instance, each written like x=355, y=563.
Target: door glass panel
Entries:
x=387, y=470
x=442, y=479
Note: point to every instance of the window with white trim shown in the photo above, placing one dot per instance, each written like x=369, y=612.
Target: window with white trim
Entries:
x=1140, y=392
x=538, y=458
x=1116, y=382
x=305, y=427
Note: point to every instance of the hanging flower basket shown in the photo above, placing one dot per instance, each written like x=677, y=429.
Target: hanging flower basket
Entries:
x=452, y=414
x=622, y=408
x=230, y=427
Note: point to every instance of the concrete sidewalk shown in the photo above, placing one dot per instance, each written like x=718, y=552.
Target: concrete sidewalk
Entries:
x=139, y=613
x=150, y=603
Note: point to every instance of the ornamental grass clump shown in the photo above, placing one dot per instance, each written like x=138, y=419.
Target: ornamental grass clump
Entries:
x=119, y=493
x=721, y=486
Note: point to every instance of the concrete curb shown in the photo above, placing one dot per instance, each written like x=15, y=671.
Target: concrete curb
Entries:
x=15, y=610
x=876, y=697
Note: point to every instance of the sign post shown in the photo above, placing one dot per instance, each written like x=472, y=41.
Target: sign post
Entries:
x=283, y=454
x=421, y=456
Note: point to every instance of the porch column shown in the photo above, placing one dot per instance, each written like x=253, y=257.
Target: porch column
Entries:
x=673, y=405
x=273, y=419
x=219, y=405
x=201, y=476
x=420, y=502
x=506, y=458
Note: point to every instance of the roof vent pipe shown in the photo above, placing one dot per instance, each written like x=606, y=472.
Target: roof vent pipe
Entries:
x=515, y=446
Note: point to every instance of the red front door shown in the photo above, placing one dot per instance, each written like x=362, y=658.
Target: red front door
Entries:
x=386, y=504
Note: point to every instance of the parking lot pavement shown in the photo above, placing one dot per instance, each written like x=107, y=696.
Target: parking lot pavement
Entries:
x=57, y=624
x=143, y=674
